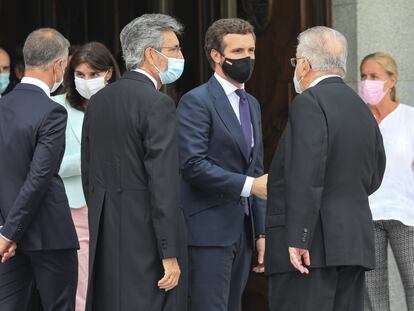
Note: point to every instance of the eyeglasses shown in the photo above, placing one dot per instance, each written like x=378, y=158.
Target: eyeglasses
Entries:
x=294, y=61
x=172, y=49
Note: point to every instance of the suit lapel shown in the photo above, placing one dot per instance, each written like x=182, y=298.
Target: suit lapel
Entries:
x=227, y=115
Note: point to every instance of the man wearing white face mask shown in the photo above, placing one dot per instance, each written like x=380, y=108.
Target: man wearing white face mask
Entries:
x=34, y=210
x=130, y=177
x=330, y=158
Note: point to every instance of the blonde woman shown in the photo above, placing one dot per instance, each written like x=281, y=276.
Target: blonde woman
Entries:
x=392, y=205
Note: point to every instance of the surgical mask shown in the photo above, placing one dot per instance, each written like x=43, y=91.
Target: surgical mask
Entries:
x=296, y=83
x=174, y=70
x=372, y=91
x=239, y=70
x=87, y=88
x=4, y=81
x=58, y=83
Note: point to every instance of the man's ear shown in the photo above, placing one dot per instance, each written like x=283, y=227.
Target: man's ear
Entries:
x=305, y=67
x=149, y=55
x=216, y=56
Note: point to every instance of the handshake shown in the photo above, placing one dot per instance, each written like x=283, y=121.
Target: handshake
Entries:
x=259, y=187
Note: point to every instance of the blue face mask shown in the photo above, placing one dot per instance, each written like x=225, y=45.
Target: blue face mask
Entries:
x=4, y=81
x=174, y=70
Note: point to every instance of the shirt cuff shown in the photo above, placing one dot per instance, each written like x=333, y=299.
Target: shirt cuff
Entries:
x=5, y=238
x=247, y=188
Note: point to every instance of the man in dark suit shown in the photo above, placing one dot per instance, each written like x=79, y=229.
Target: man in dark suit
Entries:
x=329, y=160
x=34, y=209
x=221, y=156
x=130, y=178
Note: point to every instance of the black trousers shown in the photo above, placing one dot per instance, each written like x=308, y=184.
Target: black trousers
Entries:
x=324, y=289
x=55, y=274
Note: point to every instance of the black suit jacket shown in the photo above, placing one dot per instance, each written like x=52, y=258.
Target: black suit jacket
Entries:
x=329, y=160
x=130, y=178
x=214, y=166
x=33, y=203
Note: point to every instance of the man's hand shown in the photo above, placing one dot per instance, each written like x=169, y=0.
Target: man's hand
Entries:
x=259, y=187
x=171, y=274
x=299, y=257
x=260, y=246
x=7, y=249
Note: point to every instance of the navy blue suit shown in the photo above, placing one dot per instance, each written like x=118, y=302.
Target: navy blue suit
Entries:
x=214, y=166
x=33, y=205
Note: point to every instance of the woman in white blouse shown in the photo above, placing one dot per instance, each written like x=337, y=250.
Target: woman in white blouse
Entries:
x=90, y=69
x=392, y=205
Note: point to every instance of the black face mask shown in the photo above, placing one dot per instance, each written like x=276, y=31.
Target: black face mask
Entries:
x=239, y=70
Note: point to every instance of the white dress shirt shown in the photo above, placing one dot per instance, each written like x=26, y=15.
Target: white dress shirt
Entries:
x=148, y=75
x=38, y=83
x=234, y=99
x=395, y=197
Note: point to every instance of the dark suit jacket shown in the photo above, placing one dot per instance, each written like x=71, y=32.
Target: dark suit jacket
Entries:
x=214, y=165
x=130, y=177
x=33, y=204
x=329, y=160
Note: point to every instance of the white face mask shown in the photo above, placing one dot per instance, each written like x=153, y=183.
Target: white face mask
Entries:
x=87, y=88
x=296, y=83
x=58, y=83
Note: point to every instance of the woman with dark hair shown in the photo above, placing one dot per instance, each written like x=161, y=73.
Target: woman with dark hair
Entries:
x=90, y=69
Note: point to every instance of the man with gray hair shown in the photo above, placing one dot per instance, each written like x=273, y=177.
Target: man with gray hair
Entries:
x=34, y=211
x=130, y=177
x=329, y=160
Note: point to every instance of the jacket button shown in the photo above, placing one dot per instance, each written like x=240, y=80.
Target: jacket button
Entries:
x=119, y=190
x=305, y=230
x=303, y=240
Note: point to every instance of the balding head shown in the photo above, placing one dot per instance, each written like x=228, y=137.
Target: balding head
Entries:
x=325, y=48
x=4, y=61
x=43, y=47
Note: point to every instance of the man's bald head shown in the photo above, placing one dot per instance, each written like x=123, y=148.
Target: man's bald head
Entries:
x=325, y=48
x=4, y=61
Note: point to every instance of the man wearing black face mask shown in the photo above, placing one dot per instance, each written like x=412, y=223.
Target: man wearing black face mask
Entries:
x=221, y=156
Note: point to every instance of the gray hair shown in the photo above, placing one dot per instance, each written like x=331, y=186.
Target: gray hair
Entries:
x=144, y=32
x=325, y=48
x=43, y=47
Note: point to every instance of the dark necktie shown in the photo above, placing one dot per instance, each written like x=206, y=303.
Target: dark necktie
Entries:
x=246, y=125
x=245, y=120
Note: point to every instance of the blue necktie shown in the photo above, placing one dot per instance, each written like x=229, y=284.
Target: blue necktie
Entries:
x=245, y=120
x=246, y=125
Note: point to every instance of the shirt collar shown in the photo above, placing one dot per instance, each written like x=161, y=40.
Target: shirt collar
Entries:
x=226, y=85
x=317, y=80
x=38, y=83
x=148, y=75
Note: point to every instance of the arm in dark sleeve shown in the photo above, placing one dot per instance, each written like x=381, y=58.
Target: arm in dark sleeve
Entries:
x=161, y=164
x=380, y=162
x=194, y=126
x=306, y=153
x=45, y=163
x=85, y=155
x=259, y=205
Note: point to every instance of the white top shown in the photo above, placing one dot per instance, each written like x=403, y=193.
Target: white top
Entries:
x=70, y=168
x=395, y=197
x=38, y=83
x=234, y=99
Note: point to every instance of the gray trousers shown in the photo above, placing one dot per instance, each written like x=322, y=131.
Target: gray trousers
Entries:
x=401, y=239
